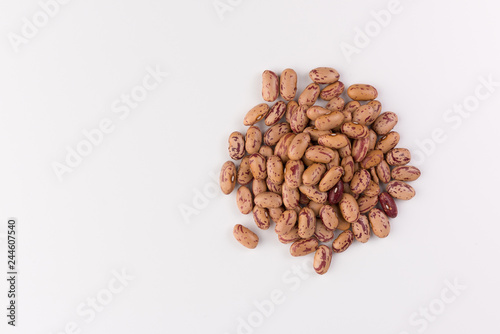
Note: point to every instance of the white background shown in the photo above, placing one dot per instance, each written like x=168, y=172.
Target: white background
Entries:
x=120, y=208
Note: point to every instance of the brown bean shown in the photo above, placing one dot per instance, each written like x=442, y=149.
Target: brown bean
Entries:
x=328, y=217
x=290, y=236
x=388, y=142
x=362, y=92
x=351, y=106
x=313, y=193
x=275, y=133
x=322, y=233
x=322, y=259
x=316, y=207
x=290, y=107
x=286, y=222
x=261, y=218
x=384, y=123
x=298, y=119
x=334, y=140
x=281, y=149
x=379, y=223
x=335, y=104
x=373, y=172
x=259, y=186
x=383, y=172
x=273, y=187
x=268, y=200
x=331, y=178
x=349, y=208
x=377, y=108
x=355, y=130
x=253, y=140
x=329, y=121
x=304, y=246
x=266, y=151
x=312, y=175
x=360, y=181
x=346, y=150
x=293, y=173
x=363, y=114
x=291, y=197
x=245, y=237
x=309, y=96
x=306, y=223
x=361, y=229
x=343, y=241
x=258, y=166
x=256, y=114
x=275, y=169
x=244, y=200
x=348, y=166
x=331, y=91
x=366, y=203
x=319, y=154
x=324, y=75
x=373, y=140
x=398, y=157
x=372, y=159
x=288, y=84
x=316, y=111
x=315, y=133
x=236, y=146
x=244, y=175
x=388, y=205
x=360, y=149
x=298, y=146
x=270, y=86
x=275, y=213
x=276, y=113
x=405, y=173
x=227, y=178
x=373, y=189
x=400, y=190
x=335, y=160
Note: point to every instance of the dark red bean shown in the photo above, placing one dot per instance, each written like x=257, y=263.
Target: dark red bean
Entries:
x=303, y=200
x=388, y=205
x=335, y=194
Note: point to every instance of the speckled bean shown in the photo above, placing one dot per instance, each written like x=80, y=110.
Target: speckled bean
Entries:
x=349, y=208
x=244, y=200
x=331, y=91
x=227, y=178
x=256, y=114
x=309, y=96
x=270, y=86
x=398, y=157
x=245, y=237
x=304, y=246
x=288, y=84
x=400, y=190
x=275, y=113
x=361, y=229
x=261, y=218
x=384, y=123
x=379, y=223
x=362, y=92
x=405, y=173
x=343, y=241
x=236, y=145
x=322, y=259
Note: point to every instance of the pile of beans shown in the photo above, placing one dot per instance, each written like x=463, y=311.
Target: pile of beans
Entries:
x=322, y=169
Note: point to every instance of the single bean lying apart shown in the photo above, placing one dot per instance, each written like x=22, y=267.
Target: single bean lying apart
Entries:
x=319, y=168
